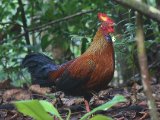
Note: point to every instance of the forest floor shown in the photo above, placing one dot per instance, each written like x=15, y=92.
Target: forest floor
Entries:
x=134, y=109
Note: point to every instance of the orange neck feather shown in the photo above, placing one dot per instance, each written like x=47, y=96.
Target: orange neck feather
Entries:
x=99, y=43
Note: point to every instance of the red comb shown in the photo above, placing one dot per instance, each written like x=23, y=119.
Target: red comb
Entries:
x=104, y=18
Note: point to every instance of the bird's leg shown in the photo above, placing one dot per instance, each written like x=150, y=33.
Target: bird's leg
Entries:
x=87, y=105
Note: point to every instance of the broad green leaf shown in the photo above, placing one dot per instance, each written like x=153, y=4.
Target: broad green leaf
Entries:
x=33, y=108
x=106, y=106
x=100, y=117
x=48, y=107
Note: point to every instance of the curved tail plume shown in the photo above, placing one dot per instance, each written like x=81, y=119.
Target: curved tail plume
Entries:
x=39, y=66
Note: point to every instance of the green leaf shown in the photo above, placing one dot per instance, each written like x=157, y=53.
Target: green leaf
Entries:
x=33, y=108
x=106, y=106
x=100, y=117
x=48, y=107
x=45, y=41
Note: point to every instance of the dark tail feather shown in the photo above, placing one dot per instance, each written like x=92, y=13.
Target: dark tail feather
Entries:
x=39, y=65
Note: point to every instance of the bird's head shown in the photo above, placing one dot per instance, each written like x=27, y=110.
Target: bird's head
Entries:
x=107, y=24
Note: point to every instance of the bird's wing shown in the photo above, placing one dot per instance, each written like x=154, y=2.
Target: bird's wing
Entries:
x=76, y=74
x=53, y=75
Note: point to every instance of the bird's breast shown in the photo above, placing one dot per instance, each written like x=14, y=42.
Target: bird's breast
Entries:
x=104, y=69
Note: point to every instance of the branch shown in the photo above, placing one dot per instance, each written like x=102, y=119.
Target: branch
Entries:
x=143, y=8
x=144, y=68
x=47, y=25
x=24, y=21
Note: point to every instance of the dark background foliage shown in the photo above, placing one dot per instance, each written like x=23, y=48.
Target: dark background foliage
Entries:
x=66, y=39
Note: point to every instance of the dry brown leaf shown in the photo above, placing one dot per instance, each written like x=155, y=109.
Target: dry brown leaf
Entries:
x=39, y=90
x=72, y=101
x=16, y=94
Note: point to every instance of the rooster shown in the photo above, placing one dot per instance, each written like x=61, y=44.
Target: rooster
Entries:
x=92, y=71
